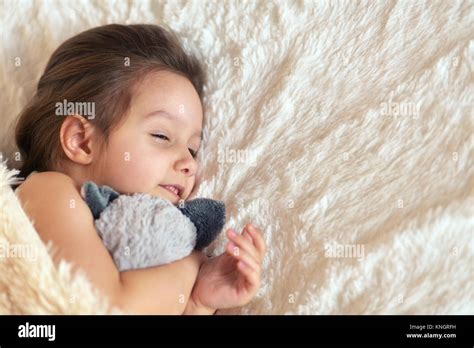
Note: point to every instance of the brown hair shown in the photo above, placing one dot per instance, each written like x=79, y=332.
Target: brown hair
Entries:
x=92, y=67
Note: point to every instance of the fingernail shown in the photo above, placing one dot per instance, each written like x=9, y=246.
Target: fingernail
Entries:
x=232, y=233
x=243, y=264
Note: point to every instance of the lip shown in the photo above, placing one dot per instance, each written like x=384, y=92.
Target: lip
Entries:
x=178, y=187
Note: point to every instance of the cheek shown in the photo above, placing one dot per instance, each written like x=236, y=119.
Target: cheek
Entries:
x=133, y=167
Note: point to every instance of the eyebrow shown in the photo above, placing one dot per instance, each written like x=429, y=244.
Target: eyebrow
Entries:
x=165, y=114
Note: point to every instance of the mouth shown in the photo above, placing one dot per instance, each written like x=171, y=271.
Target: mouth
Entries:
x=176, y=190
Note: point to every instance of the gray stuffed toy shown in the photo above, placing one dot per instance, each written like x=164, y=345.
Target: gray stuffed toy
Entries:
x=142, y=230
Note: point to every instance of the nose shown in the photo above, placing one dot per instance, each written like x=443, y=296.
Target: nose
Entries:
x=186, y=164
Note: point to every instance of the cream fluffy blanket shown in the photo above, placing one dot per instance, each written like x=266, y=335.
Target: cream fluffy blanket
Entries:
x=343, y=129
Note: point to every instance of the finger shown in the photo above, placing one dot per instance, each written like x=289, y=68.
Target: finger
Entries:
x=244, y=244
x=247, y=235
x=252, y=277
x=242, y=255
x=257, y=239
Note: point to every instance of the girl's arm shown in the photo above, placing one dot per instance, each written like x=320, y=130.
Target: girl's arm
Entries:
x=193, y=309
x=59, y=214
x=169, y=286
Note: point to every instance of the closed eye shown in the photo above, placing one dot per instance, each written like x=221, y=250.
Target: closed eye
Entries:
x=164, y=137
x=161, y=136
x=193, y=153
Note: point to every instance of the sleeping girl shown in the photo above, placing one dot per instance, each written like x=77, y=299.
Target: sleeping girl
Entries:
x=144, y=137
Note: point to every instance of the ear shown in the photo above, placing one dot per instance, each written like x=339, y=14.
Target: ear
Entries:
x=77, y=139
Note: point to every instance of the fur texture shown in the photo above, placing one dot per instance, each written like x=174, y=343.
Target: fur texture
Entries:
x=137, y=238
x=143, y=231
x=29, y=281
x=343, y=129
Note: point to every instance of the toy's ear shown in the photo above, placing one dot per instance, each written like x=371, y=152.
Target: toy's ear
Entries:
x=208, y=216
x=97, y=198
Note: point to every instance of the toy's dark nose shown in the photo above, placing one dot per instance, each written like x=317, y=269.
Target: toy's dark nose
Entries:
x=208, y=216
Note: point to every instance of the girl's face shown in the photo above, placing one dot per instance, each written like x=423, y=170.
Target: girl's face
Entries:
x=155, y=144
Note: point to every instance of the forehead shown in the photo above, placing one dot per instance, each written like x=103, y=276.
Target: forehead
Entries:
x=168, y=92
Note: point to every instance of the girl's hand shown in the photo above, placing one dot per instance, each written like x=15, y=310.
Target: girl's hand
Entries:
x=232, y=278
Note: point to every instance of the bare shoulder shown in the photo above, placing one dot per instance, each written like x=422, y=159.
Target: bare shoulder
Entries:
x=44, y=181
x=53, y=203
x=52, y=196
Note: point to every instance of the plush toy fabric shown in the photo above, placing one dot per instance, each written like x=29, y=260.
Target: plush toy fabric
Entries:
x=141, y=230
